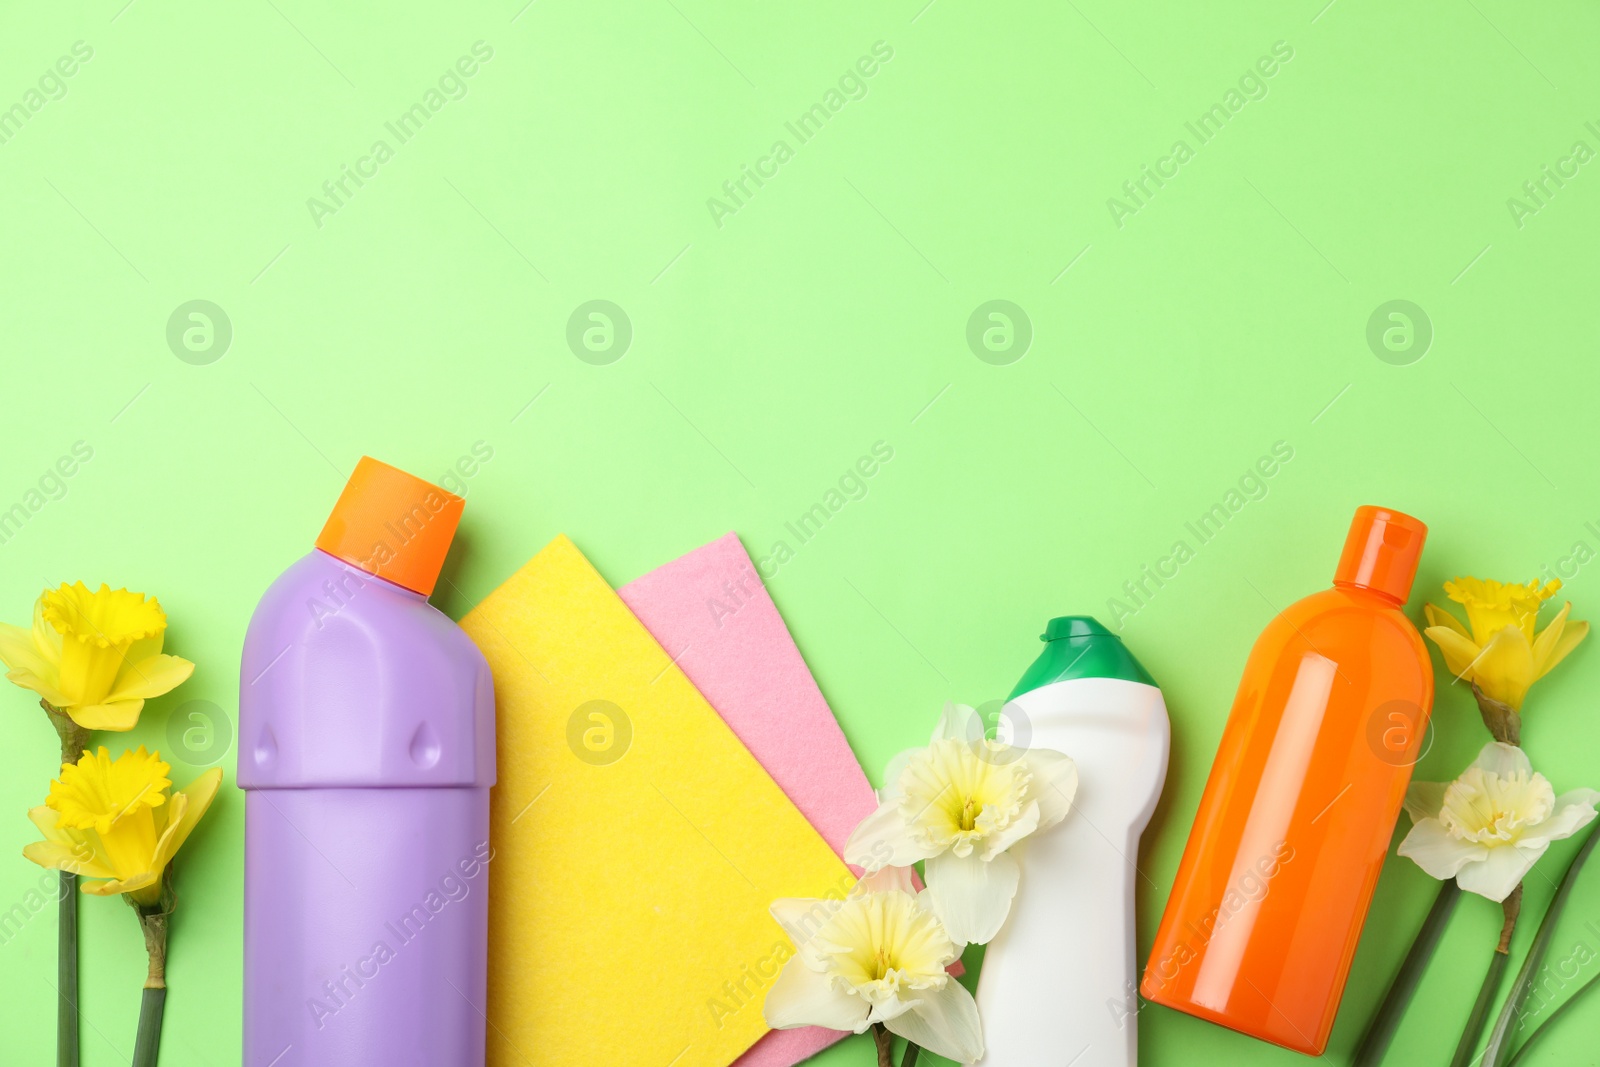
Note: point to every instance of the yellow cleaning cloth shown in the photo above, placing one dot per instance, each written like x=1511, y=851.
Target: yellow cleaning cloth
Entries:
x=637, y=843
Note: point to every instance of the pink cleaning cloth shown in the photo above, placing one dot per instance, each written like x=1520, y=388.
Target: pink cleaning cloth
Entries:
x=711, y=613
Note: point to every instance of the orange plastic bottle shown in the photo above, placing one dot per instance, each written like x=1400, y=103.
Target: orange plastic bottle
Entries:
x=1296, y=817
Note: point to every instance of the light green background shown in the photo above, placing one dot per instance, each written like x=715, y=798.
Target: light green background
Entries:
x=768, y=353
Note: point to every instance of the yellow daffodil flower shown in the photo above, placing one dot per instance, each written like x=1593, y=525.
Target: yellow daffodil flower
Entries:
x=960, y=804
x=94, y=656
x=877, y=957
x=1489, y=827
x=1501, y=653
x=114, y=820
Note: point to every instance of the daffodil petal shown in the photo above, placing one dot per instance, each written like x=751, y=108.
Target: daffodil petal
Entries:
x=1547, y=639
x=1459, y=652
x=18, y=651
x=1437, y=616
x=39, y=685
x=1430, y=846
x=1572, y=636
x=958, y=722
x=196, y=797
x=803, y=997
x=1573, y=811
x=150, y=677
x=119, y=716
x=45, y=636
x=945, y=1022
x=884, y=839
x=802, y=917
x=60, y=856
x=47, y=819
x=893, y=788
x=1424, y=799
x=972, y=896
x=1054, y=785
x=62, y=849
x=1500, y=871
x=127, y=885
x=168, y=818
x=1502, y=759
x=1589, y=798
x=893, y=1008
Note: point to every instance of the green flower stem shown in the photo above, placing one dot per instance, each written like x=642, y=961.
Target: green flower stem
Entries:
x=910, y=1058
x=1512, y=907
x=147, y=1045
x=1494, y=1054
x=1480, y=1010
x=67, y=972
x=1375, y=1042
x=1542, y=1027
x=74, y=739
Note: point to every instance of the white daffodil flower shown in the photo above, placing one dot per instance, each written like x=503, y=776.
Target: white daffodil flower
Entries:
x=959, y=804
x=1489, y=827
x=878, y=956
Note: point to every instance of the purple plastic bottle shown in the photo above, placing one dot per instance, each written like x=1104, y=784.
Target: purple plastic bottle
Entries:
x=366, y=747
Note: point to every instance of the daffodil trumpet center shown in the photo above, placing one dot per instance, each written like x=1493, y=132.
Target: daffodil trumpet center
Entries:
x=881, y=943
x=956, y=793
x=97, y=630
x=1492, y=606
x=118, y=822
x=107, y=619
x=1488, y=809
x=969, y=814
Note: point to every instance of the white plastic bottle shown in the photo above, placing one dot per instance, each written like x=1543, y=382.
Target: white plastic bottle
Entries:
x=1058, y=985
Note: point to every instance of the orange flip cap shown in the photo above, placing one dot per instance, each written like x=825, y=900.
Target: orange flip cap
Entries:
x=1382, y=551
x=392, y=524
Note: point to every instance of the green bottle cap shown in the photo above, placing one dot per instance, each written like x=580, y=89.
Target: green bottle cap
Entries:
x=1074, y=626
x=1078, y=646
